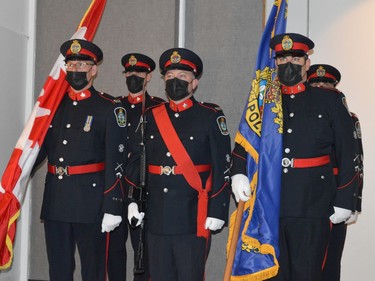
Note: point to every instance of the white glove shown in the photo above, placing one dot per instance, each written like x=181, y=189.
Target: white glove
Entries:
x=353, y=218
x=134, y=213
x=213, y=224
x=241, y=187
x=110, y=222
x=340, y=215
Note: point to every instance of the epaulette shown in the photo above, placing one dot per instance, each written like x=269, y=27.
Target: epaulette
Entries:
x=211, y=106
x=157, y=99
x=155, y=105
x=109, y=98
x=116, y=100
x=334, y=90
x=121, y=97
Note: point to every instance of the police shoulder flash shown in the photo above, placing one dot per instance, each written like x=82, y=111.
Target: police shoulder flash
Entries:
x=221, y=121
x=120, y=114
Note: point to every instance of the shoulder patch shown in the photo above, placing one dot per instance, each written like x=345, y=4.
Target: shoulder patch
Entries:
x=358, y=129
x=120, y=114
x=222, y=123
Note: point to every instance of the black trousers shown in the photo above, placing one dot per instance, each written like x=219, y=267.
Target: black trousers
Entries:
x=177, y=257
x=303, y=244
x=117, y=256
x=61, y=241
x=332, y=268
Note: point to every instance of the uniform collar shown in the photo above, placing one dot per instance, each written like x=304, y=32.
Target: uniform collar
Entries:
x=293, y=90
x=77, y=96
x=181, y=106
x=135, y=100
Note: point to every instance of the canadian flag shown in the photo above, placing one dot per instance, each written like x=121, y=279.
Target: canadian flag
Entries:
x=16, y=175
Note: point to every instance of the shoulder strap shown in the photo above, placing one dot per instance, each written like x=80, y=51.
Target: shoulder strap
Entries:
x=184, y=161
x=176, y=147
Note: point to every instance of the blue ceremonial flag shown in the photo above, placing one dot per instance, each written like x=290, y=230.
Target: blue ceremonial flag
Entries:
x=260, y=133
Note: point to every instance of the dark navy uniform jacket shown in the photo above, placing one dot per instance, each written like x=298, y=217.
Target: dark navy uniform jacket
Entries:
x=315, y=121
x=359, y=157
x=133, y=107
x=171, y=201
x=85, y=131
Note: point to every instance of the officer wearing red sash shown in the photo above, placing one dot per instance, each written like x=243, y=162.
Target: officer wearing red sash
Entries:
x=314, y=121
x=138, y=73
x=327, y=76
x=188, y=154
x=85, y=147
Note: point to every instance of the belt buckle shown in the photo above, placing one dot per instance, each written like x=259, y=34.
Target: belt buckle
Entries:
x=61, y=171
x=166, y=170
x=286, y=162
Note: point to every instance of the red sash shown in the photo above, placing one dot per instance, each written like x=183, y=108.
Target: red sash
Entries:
x=188, y=169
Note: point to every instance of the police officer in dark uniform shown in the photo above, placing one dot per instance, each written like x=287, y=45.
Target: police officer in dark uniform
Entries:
x=85, y=147
x=314, y=121
x=327, y=76
x=138, y=68
x=188, y=153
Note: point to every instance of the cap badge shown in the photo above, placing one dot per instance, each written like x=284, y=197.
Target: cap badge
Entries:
x=175, y=57
x=132, y=60
x=75, y=47
x=287, y=43
x=320, y=72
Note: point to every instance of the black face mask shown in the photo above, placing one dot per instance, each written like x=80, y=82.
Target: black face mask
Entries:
x=134, y=83
x=78, y=80
x=289, y=74
x=176, y=89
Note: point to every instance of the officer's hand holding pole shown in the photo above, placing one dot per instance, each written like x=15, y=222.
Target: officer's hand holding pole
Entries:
x=134, y=213
x=110, y=222
x=241, y=187
x=340, y=215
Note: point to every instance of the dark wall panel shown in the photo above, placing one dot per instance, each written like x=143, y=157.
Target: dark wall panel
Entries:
x=226, y=35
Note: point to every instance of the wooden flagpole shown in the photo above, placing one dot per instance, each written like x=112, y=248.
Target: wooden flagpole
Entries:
x=233, y=242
